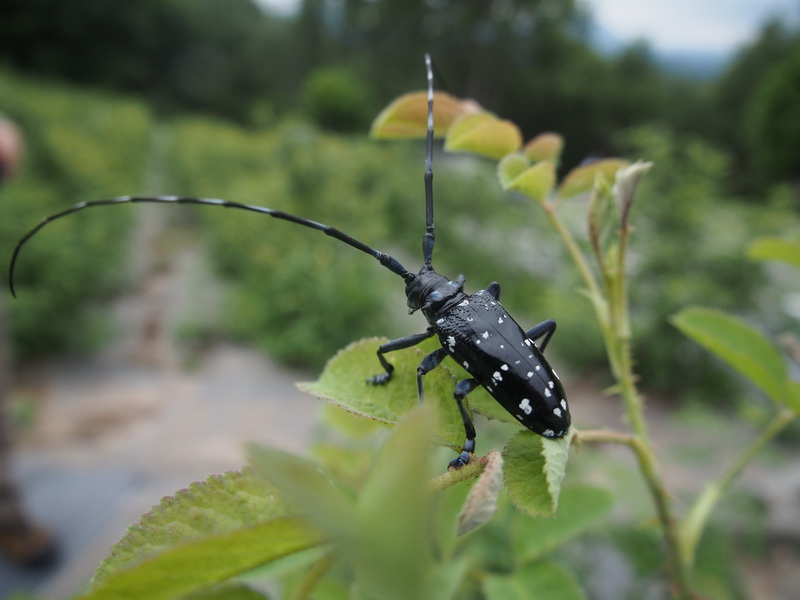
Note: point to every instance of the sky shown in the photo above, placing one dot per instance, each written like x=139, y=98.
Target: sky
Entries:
x=706, y=26
x=714, y=26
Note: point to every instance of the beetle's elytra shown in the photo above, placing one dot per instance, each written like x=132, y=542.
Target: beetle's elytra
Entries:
x=475, y=330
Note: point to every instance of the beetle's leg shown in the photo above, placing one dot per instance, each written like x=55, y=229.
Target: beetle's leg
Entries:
x=546, y=329
x=398, y=344
x=428, y=364
x=493, y=289
x=462, y=389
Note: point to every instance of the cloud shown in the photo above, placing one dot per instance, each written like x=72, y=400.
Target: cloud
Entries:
x=711, y=25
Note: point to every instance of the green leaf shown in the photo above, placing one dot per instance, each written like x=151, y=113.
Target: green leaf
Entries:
x=581, y=179
x=738, y=344
x=545, y=146
x=343, y=382
x=626, y=184
x=793, y=396
x=196, y=565
x=407, y=116
x=510, y=167
x=303, y=485
x=534, y=468
x=603, y=220
x=773, y=248
x=227, y=591
x=222, y=503
x=391, y=539
x=579, y=509
x=543, y=580
x=484, y=134
x=481, y=502
x=536, y=182
x=384, y=534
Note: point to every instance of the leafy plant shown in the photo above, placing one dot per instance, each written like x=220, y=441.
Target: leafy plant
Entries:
x=369, y=519
x=77, y=145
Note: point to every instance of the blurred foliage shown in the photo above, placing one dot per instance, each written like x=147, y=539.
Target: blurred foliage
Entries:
x=78, y=145
x=302, y=295
x=727, y=121
x=775, y=121
x=335, y=99
x=691, y=234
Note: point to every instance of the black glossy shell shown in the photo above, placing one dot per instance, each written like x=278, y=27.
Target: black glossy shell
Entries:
x=481, y=337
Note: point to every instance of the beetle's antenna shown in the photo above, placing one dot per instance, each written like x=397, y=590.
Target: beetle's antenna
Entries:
x=429, y=237
x=387, y=261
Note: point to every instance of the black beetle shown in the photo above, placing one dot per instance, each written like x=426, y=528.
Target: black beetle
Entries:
x=475, y=330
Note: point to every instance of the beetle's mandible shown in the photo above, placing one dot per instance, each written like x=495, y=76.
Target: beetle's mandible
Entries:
x=475, y=330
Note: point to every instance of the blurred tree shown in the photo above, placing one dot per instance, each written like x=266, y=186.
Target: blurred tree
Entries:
x=735, y=91
x=197, y=54
x=774, y=121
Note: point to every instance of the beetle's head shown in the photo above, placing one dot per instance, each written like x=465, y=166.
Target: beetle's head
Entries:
x=429, y=291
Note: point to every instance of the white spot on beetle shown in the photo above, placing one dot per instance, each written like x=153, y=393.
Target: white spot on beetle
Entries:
x=526, y=407
x=549, y=433
x=466, y=364
x=504, y=367
x=538, y=367
x=439, y=321
x=451, y=342
x=530, y=374
x=557, y=412
x=485, y=335
x=464, y=303
x=502, y=346
x=478, y=342
x=497, y=377
x=469, y=319
x=500, y=320
x=547, y=393
x=563, y=404
x=550, y=384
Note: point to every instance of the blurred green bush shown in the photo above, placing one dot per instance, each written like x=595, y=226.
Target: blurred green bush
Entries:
x=301, y=295
x=78, y=146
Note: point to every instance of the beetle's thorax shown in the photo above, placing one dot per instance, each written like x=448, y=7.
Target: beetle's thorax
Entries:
x=433, y=293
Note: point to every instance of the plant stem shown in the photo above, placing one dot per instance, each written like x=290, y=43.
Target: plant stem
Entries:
x=693, y=525
x=611, y=310
x=312, y=578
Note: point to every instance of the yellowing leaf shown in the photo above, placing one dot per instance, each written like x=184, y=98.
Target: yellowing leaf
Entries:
x=537, y=181
x=545, y=146
x=510, y=167
x=484, y=134
x=581, y=179
x=407, y=116
x=481, y=503
x=774, y=248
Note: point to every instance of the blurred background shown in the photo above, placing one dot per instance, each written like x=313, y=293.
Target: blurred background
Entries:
x=270, y=103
